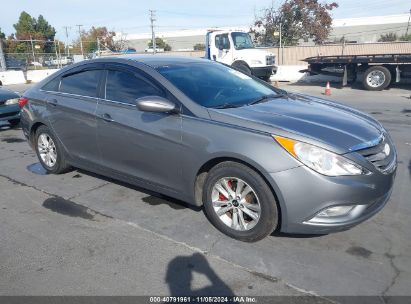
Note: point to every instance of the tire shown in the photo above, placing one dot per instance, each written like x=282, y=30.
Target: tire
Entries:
x=266, y=78
x=59, y=165
x=242, y=67
x=376, y=78
x=14, y=122
x=261, y=196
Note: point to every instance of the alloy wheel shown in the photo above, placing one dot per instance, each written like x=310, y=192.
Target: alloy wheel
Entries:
x=236, y=203
x=47, y=150
x=375, y=79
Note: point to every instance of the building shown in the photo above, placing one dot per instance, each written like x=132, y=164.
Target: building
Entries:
x=361, y=30
x=369, y=29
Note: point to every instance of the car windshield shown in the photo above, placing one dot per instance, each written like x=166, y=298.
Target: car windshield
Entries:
x=214, y=85
x=242, y=40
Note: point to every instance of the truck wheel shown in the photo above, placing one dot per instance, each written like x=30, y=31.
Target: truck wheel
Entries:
x=242, y=67
x=376, y=78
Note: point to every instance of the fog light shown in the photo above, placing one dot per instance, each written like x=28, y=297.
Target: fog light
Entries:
x=335, y=211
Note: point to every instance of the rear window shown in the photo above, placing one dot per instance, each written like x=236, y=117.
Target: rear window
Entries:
x=83, y=83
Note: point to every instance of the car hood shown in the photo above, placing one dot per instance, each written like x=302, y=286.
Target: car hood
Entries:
x=321, y=122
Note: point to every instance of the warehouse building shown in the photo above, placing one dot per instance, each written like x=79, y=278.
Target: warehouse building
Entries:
x=360, y=30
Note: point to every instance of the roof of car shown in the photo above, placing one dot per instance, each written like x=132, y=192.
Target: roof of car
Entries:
x=156, y=61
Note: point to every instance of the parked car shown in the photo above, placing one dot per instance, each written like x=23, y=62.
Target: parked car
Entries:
x=255, y=157
x=15, y=64
x=9, y=107
x=151, y=50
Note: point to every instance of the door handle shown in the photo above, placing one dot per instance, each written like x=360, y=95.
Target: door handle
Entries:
x=52, y=102
x=106, y=117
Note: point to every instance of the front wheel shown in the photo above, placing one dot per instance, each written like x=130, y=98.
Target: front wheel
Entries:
x=239, y=202
x=242, y=67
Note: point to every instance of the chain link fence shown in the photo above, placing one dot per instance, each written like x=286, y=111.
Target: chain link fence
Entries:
x=38, y=54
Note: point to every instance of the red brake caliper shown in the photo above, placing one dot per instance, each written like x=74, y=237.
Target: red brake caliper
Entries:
x=222, y=196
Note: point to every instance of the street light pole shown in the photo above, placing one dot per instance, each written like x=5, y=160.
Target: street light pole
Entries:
x=153, y=35
x=408, y=24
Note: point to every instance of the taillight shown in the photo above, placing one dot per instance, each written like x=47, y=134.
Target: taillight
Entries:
x=22, y=102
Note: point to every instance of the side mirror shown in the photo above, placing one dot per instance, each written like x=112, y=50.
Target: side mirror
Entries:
x=155, y=104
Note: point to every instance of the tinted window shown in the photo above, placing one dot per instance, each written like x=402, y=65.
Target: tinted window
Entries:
x=126, y=87
x=52, y=85
x=214, y=85
x=222, y=42
x=82, y=83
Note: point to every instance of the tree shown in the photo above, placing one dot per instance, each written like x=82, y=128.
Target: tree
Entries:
x=2, y=35
x=199, y=47
x=389, y=37
x=28, y=28
x=405, y=37
x=160, y=44
x=299, y=19
x=89, y=40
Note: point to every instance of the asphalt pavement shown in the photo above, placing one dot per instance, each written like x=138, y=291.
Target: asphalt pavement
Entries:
x=84, y=234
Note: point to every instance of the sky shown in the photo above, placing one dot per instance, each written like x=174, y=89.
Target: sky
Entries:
x=132, y=16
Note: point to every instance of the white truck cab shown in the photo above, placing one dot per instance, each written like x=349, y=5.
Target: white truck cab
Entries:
x=236, y=48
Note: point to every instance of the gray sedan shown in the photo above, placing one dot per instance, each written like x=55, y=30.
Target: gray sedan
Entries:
x=255, y=157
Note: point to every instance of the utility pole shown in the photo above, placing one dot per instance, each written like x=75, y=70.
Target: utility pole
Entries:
x=57, y=55
x=32, y=50
x=81, y=42
x=153, y=35
x=281, y=25
x=98, y=46
x=67, y=46
x=2, y=59
x=408, y=24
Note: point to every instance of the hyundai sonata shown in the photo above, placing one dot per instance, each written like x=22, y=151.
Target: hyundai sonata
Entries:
x=255, y=157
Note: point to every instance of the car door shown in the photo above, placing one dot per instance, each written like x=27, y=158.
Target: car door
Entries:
x=72, y=113
x=143, y=145
x=224, y=51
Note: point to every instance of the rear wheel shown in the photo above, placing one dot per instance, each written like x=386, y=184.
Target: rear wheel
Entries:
x=239, y=203
x=49, y=151
x=376, y=78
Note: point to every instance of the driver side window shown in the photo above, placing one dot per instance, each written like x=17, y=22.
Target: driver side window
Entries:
x=126, y=87
x=222, y=42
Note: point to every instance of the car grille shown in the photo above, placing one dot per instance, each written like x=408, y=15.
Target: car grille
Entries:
x=8, y=114
x=269, y=60
x=378, y=156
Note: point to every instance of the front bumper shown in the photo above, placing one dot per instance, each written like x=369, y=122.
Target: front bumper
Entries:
x=265, y=71
x=304, y=193
x=9, y=112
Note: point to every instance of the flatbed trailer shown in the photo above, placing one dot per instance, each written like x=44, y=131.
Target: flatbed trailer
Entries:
x=379, y=70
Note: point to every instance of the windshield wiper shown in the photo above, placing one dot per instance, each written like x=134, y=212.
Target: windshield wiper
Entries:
x=228, y=105
x=267, y=97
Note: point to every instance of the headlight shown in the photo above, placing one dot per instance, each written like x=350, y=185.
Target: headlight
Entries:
x=256, y=62
x=11, y=102
x=318, y=159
